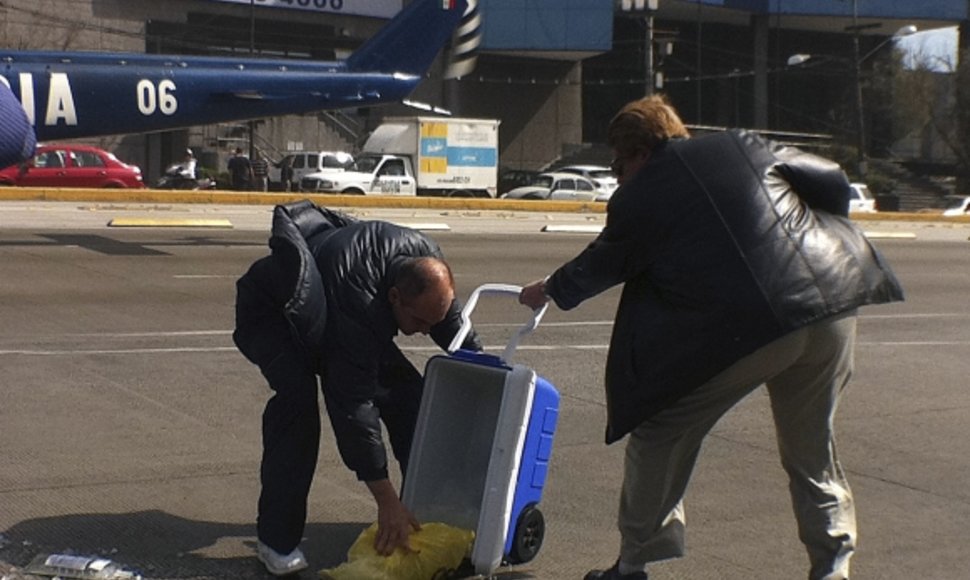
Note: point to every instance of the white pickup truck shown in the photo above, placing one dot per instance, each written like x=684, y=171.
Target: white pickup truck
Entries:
x=369, y=175
x=303, y=162
x=420, y=156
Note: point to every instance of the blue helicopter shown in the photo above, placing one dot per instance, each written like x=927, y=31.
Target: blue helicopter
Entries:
x=85, y=94
x=17, y=138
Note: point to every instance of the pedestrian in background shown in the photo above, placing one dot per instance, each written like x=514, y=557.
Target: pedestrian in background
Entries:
x=260, y=172
x=240, y=171
x=286, y=173
x=740, y=268
x=187, y=168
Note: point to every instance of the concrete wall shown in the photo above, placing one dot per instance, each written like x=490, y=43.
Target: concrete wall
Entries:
x=70, y=25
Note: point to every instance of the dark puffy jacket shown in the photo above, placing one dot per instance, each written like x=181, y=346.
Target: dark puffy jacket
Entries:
x=328, y=278
x=726, y=243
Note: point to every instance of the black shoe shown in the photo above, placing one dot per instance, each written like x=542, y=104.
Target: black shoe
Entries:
x=614, y=574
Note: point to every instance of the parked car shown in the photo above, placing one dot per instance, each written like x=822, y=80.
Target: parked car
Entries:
x=509, y=179
x=602, y=177
x=861, y=199
x=306, y=162
x=960, y=206
x=72, y=166
x=556, y=186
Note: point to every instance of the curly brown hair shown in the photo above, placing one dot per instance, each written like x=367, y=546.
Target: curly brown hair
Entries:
x=643, y=124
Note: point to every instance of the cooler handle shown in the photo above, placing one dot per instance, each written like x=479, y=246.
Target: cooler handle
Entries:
x=466, y=323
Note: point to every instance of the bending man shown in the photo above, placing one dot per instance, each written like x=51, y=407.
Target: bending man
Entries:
x=327, y=303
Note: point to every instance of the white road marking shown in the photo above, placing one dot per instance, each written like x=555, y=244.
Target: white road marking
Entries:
x=571, y=229
x=426, y=226
x=420, y=349
x=65, y=352
x=416, y=349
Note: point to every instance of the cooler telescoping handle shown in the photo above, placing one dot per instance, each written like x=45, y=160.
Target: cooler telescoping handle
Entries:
x=466, y=323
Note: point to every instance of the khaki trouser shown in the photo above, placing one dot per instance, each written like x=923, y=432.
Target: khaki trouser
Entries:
x=805, y=373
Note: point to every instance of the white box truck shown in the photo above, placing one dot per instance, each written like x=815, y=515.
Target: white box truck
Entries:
x=421, y=156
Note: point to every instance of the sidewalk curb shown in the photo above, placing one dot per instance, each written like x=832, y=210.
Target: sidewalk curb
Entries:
x=219, y=197
x=258, y=198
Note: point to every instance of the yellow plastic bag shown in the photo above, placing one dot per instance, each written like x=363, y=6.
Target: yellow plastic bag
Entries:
x=437, y=547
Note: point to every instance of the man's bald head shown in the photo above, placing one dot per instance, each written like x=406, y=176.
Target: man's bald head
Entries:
x=422, y=294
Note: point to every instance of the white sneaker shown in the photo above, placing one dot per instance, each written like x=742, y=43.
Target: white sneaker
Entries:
x=279, y=564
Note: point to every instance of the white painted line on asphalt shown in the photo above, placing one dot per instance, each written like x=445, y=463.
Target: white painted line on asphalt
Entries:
x=588, y=229
x=915, y=343
x=205, y=349
x=891, y=235
x=572, y=229
x=163, y=334
x=144, y=222
x=915, y=315
x=425, y=226
x=66, y=352
x=488, y=348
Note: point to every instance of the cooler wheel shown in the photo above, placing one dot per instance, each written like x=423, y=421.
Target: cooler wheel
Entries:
x=529, y=531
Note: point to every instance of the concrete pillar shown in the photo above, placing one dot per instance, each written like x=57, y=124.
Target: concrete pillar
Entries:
x=759, y=25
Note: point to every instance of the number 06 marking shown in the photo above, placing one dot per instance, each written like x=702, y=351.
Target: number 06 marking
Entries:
x=161, y=99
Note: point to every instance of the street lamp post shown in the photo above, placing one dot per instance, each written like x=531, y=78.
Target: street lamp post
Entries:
x=646, y=9
x=252, y=53
x=862, y=163
x=648, y=48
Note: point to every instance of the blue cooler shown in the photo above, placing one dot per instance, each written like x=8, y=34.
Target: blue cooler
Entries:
x=482, y=446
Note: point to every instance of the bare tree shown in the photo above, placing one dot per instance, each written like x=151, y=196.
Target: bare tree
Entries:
x=925, y=101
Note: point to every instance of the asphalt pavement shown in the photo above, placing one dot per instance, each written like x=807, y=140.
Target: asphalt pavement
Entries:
x=129, y=425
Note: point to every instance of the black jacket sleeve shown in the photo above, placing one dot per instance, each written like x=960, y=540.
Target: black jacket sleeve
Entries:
x=350, y=383
x=621, y=251
x=444, y=332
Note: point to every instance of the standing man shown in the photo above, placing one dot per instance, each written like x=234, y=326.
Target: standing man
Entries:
x=260, y=172
x=186, y=169
x=327, y=303
x=740, y=268
x=286, y=173
x=240, y=171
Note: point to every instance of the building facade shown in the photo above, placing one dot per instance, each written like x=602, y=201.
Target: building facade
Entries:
x=526, y=75
x=553, y=71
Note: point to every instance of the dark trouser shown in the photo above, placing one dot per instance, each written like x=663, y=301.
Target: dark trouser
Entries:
x=291, y=434
x=291, y=440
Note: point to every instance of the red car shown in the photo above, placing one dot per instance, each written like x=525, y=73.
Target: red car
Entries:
x=72, y=166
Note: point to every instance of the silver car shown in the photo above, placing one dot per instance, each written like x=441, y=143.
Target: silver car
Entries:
x=960, y=207
x=602, y=177
x=860, y=199
x=556, y=186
